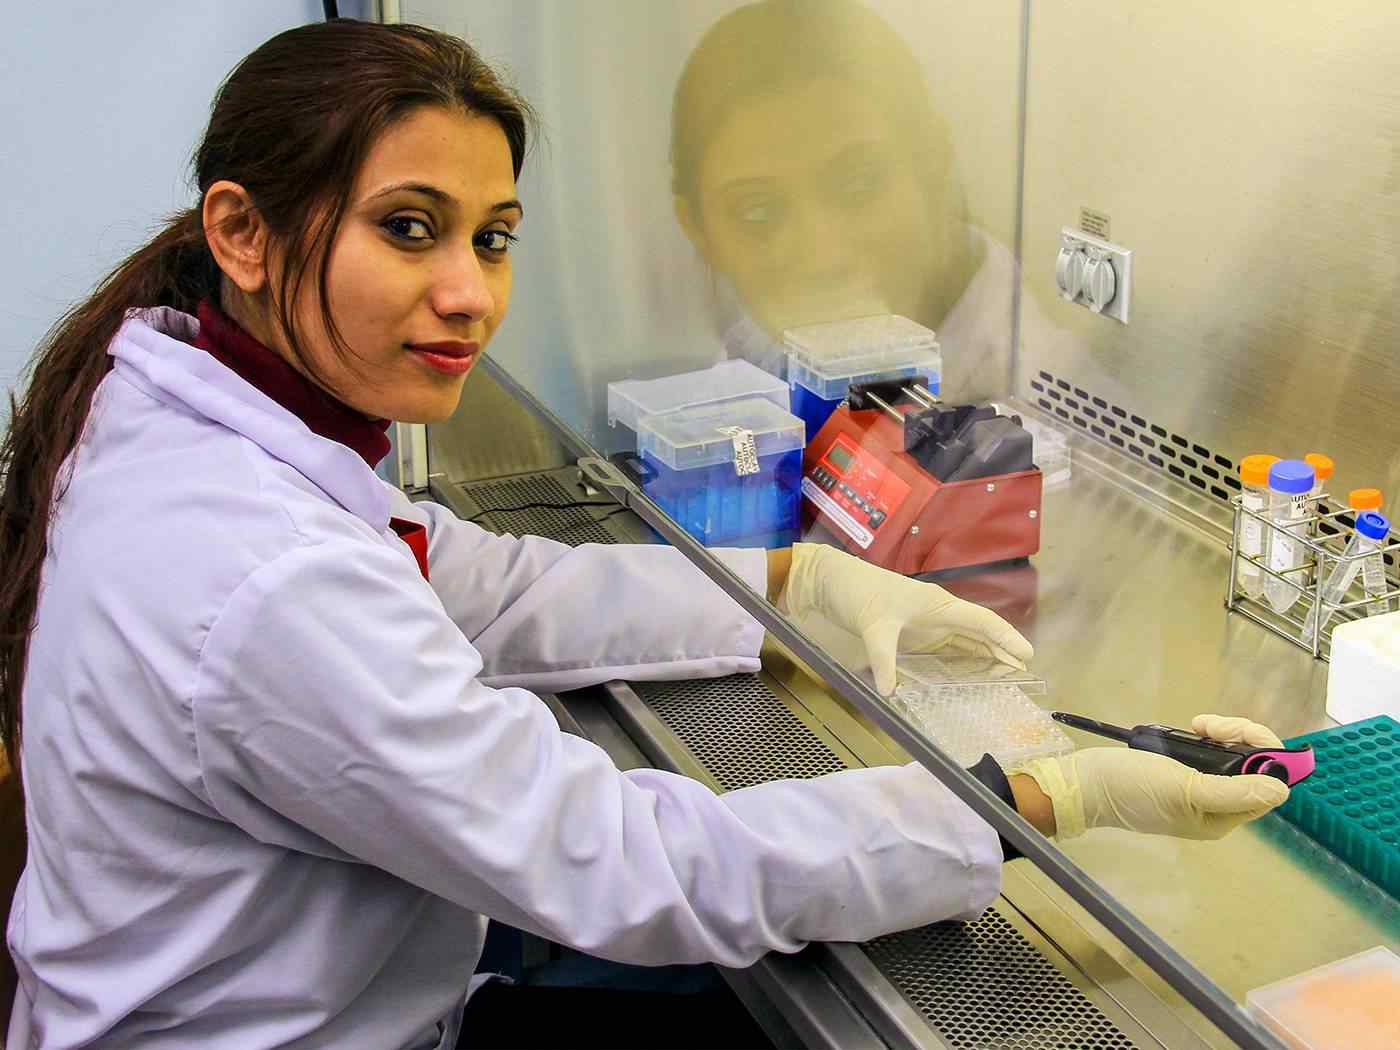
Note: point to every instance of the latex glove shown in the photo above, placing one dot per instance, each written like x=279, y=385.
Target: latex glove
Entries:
x=1138, y=790
x=891, y=613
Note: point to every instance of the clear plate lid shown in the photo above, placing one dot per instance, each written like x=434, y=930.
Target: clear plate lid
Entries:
x=861, y=345
x=631, y=399
x=970, y=706
x=702, y=436
x=956, y=668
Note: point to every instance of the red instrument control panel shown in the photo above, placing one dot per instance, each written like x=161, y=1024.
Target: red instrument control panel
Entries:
x=857, y=492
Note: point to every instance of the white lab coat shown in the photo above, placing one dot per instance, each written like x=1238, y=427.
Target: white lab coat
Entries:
x=276, y=780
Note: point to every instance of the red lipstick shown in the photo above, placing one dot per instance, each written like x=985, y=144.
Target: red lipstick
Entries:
x=451, y=357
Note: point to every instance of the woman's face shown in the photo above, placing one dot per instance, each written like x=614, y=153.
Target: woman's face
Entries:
x=809, y=204
x=419, y=274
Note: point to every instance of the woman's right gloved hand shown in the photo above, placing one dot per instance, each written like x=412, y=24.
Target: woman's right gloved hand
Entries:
x=1140, y=791
x=888, y=614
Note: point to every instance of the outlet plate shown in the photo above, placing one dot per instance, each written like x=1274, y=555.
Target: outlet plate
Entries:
x=1119, y=257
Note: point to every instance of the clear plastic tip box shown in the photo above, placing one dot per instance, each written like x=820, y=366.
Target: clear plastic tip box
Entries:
x=630, y=400
x=696, y=472
x=825, y=359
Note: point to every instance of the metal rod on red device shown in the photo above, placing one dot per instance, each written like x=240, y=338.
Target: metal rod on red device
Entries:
x=921, y=393
x=884, y=407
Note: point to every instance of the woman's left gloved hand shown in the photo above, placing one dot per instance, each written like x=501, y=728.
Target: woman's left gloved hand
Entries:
x=891, y=613
x=1141, y=791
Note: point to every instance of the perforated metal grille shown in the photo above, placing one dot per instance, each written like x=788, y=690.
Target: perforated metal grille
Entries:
x=982, y=986
x=1167, y=451
x=572, y=525
x=1208, y=471
x=739, y=730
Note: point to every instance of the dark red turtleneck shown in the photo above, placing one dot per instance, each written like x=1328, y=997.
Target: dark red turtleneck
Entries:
x=220, y=336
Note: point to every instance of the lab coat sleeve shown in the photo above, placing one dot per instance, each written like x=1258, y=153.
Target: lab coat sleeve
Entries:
x=337, y=711
x=547, y=616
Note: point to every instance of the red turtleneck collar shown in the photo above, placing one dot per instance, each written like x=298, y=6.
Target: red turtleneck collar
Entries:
x=221, y=336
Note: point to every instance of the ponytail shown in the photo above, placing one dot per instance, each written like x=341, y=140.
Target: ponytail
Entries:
x=174, y=269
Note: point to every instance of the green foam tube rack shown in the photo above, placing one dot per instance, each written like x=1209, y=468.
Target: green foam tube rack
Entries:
x=1351, y=804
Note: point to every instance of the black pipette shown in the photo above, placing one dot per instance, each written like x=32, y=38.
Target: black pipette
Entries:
x=1209, y=756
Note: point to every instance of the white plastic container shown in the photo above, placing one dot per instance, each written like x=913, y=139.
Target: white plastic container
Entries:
x=1254, y=496
x=1050, y=451
x=1363, y=679
x=1351, y=1004
x=1370, y=534
x=1290, y=488
x=630, y=400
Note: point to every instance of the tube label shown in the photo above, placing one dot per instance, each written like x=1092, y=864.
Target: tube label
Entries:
x=1251, y=529
x=1284, y=548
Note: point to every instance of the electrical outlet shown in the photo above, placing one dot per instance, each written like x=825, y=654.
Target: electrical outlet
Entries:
x=1095, y=273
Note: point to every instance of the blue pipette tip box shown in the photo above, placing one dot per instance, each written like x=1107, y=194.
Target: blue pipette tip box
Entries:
x=690, y=457
x=1351, y=804
x=825, y=359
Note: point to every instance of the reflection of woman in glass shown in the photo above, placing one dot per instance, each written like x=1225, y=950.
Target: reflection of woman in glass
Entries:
x=811, y=172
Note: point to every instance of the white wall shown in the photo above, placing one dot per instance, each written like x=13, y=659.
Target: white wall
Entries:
x=101, y=105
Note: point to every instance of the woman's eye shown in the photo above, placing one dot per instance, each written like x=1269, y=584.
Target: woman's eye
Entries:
x=497, y=242
x=408, y=229
x=759, y=211
x=861, y=186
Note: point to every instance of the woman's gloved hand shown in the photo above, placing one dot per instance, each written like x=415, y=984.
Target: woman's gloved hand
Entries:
x=891, y=613
x=1116, y=787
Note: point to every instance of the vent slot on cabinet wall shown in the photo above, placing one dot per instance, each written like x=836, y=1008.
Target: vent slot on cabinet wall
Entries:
x=1208, y=472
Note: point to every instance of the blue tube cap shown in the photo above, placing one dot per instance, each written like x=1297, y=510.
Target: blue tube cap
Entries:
x=1291, y=476
x=1372, y=525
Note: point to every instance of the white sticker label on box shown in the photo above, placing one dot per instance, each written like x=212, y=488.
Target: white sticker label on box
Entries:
x=837, y=514
x=745, y=453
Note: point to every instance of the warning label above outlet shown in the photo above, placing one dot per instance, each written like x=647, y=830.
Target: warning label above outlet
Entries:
x=1094, y=223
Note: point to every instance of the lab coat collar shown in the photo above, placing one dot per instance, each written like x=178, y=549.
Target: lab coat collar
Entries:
x=153, y=352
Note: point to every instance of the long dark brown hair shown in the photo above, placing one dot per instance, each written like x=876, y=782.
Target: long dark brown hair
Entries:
x=292, y=125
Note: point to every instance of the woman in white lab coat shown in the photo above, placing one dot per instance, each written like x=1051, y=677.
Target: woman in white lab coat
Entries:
x=280, y=755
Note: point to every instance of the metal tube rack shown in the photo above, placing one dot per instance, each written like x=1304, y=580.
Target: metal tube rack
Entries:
x=1320, y=555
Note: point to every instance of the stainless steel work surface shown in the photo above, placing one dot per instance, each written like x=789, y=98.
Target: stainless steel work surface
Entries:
x=1124, y=604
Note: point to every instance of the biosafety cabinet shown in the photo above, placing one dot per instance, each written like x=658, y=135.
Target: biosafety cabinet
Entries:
x=1001, y=295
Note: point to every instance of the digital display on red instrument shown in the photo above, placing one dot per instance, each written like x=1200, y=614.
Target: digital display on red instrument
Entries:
x=839, y=458
x=854, y=489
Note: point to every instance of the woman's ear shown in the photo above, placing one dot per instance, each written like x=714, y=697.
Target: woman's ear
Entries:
x=236, y=234
x=690, y=223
